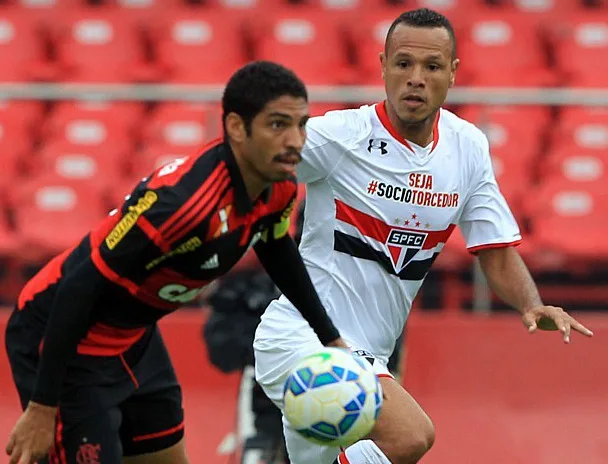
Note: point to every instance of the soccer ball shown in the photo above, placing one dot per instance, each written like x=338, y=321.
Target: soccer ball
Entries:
x=332, y=397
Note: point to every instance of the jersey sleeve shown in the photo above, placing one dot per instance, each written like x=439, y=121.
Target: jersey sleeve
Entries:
x=487, y=221
x=139, y=231
x=321, y=153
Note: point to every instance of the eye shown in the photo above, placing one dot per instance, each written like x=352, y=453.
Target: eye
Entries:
x=277, y=124
x=434, y=67
x=403, y=64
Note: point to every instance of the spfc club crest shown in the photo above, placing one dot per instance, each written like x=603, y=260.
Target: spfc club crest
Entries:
x=403, y=246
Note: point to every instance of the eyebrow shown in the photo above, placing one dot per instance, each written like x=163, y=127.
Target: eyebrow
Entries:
x=434, y=56
x=278, y=114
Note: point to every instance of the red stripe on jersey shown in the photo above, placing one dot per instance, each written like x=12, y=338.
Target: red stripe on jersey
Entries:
x=378, y=230
x=98, y=235
x=104, y=340
x=489, y=246
x=169, y=178
x=205, y=191
x=207, y=205
x=47, y=276
x=388, y=125
x=112, y=276
x=153, y=234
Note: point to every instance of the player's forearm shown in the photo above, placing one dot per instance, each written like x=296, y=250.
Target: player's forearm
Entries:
x=283, y=262
x=509, y=278
x=68, y=323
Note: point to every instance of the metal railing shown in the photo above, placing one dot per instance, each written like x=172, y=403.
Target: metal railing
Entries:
x=346, y=94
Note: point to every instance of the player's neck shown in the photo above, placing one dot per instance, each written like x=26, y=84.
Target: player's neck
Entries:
x=254, y=183
x=420, y=133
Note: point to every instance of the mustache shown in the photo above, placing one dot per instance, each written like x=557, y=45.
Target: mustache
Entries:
x=286, y=156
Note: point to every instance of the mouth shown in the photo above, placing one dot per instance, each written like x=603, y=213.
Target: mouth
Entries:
x=414, y=100
x=288, y=161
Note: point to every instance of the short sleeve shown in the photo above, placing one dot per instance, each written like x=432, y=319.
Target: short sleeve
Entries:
x=321, y=152
x=486, y=220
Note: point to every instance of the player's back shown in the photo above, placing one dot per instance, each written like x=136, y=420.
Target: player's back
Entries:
x=182, y=227
x=378, y=212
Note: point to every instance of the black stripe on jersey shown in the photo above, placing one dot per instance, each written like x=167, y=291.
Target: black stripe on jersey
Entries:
x=415, y=270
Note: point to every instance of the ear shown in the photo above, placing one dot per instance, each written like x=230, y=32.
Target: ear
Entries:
x=382, y=57
x=455, y=64
x=235, y=128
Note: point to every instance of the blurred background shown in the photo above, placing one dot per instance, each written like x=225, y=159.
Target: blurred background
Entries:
x=96, y=94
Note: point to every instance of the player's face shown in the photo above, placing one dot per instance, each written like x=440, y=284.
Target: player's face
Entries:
x=418, y=69
x=277, y=137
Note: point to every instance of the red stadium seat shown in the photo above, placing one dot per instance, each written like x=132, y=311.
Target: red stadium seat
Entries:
x=503, y=49
x=120, y=120
x=183, y=124
x=22, y=47
x=581, y=47
x=101, y=45
x=515, y=128
x=574, y=165
x=572, y=220
x=199, y=45
x=52, y=214
x=28, y=114
x=312, y=43
x=95, y=163
x=583, y=128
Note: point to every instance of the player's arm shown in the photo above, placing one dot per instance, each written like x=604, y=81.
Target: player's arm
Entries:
x=279, y=255
x=112, y=252
x=491, y=233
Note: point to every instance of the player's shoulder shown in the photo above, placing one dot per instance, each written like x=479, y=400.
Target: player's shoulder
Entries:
x=343, y=124
x=468, y=135
x=284, y=193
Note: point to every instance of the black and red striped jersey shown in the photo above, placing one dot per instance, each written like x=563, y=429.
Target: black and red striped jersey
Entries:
x=181, y=228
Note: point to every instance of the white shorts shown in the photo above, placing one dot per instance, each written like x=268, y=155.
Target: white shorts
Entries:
x=276, y=352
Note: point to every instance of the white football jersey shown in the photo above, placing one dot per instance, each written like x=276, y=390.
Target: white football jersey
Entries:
x=379, y=209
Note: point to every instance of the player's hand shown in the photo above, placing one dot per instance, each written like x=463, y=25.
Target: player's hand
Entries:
x=338, y=343
x=553, y=318
x=32, y=436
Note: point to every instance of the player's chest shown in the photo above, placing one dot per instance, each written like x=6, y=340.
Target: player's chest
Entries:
x=403, y=192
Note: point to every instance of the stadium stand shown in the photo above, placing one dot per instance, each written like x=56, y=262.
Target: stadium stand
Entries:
x=537, y=150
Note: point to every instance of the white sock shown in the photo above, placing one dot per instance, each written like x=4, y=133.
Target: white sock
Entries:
x=363, y=452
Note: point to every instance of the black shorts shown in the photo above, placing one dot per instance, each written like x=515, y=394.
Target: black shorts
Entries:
x=110, y=406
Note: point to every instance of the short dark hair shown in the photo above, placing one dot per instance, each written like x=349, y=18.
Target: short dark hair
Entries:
x=256, y=84
x=423, y=17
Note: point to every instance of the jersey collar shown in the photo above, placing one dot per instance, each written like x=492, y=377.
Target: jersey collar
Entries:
x=383, y=116
x=242, y=202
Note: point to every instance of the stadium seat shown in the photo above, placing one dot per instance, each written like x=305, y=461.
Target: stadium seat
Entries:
x=581, y=47
x=52, y=214
x=582, y=128
x=312, y=43
x=23, y=47
x=28, y=114
x=201, y=46
x=94, y=163
x=83, y=122
x=571, y=220
x=574, y=165
x=503, y=49
x=183, y=124
x=101, y=45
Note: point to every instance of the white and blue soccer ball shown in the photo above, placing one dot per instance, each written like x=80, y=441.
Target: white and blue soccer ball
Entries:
x=332, y=397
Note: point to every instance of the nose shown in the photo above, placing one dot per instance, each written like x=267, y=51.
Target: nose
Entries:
x=295, y=138
x=416, y=77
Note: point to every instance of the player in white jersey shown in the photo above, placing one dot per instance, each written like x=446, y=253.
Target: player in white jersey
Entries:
x=386, y=186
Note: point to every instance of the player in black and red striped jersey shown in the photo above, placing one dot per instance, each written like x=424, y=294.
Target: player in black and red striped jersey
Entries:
x=91, y=369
